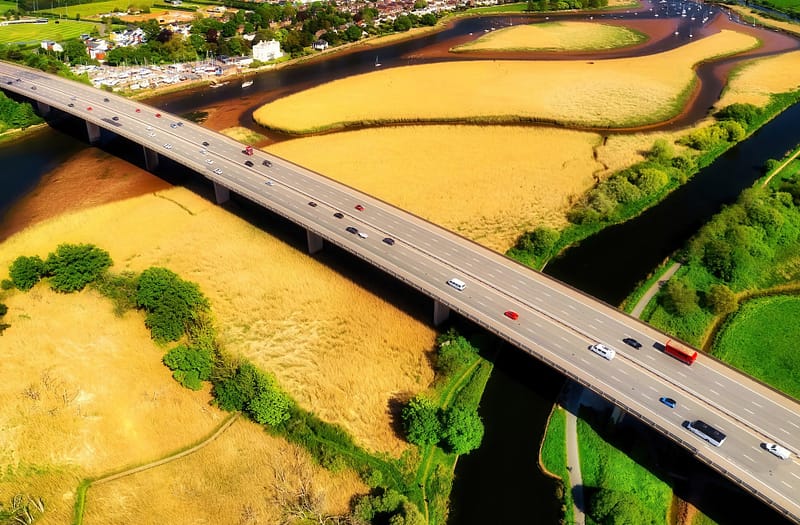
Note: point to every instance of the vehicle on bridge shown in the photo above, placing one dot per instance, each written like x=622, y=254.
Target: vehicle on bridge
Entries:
x=458, y=284
x=706, y=431
x=778, y=450
x=603, y=351
x=680, y=352
x=248, y=150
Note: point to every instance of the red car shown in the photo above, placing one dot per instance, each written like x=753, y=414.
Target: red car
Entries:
x=511, y=314
x=359, y=207
x=89, y=108
x=158, y=115
x=138, y=110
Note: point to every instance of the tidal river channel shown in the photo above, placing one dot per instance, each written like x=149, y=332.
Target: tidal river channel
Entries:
x=501, y=482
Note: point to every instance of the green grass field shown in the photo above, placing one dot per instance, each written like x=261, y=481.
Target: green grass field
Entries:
x=35, y=33
x=782, y=4
x=554, y=456
x=92, y=10
x=518, y=7
x=761, y=340
x=604, y=466
x=5, y=5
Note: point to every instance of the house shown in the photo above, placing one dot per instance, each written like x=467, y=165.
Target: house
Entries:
x=267, y=50
x=49, y=45
x=320, y=45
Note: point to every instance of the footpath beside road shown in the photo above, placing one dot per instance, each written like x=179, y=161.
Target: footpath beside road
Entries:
x=571, y=401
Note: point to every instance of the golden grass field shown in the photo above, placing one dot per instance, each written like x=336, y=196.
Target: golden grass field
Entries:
x=341, y=351
x=757, y=79
x=245, y=476
x=511, y=179
x=748, y=16
x=621, y=92
x=555, y=36
x=83, y=393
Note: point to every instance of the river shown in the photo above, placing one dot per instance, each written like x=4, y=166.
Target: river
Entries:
x=501, y=482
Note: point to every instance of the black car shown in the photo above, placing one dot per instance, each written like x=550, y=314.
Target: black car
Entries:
x=338, y=215
x=71, y=105
x=248, y=163
x=9, y=82
x=389, y=241
x=115, y=117
x=267, y=163
x=312, y=204
x=105, y=99
x=351, y=229
x=205, y=144
x=632, y=342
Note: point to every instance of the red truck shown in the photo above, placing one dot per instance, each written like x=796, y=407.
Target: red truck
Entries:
x=679, y=351
x=248, y=150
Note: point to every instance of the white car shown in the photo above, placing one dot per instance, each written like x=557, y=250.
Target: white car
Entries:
x=218, y=171
x=362, y=235
x=203, y=152
x=209, y=161
x=778, y=450
x=168, y=145
x=269, y=182
x=603, y=350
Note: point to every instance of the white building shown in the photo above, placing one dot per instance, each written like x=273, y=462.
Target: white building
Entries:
x=265, y=50
x=49, y=45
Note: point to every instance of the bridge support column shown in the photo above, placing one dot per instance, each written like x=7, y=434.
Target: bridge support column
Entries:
x=150, y=158
x=440, y=313
x=93, y=130
x=44, y=109
x=221, y=193
x=617, y=414
x=314, y=242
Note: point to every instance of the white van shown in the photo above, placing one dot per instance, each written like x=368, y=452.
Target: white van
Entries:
x=603, y=350
x=458, y=284
x=777, y=450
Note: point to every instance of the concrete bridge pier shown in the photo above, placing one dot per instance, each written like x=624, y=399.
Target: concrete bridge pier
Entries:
x=150, y=158
x=617, y=414
x=314, y=242
x=93, y=130
x=221, y=193
x=440, y=313
x=44, y=109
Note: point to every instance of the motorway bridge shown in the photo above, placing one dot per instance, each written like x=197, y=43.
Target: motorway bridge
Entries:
x=555, y=323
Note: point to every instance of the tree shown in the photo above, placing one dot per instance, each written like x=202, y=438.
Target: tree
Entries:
x=73, y=266
x=679, y=297
x=462, y=429
x=25, y=272
x=75, y=52
x=171, y=303
x=661, y=152
x=453, y=353
x=718, y=259
x=402, y=23
x=746, y=114
x=352, y=33
x=720, y=299
x=540, y=241
x=421, y=422
x=235, y=390
x=613, y=507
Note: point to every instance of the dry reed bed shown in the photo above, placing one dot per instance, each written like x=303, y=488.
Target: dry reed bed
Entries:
x=244, y=476
x=83, y=392
x=601, y=93
x=511, y=179
x=756, y=80
x=555, y=36
x=342, y=352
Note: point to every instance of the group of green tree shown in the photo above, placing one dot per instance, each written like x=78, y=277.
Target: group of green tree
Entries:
x=458, y=427
x=630, y=191
x=563, y=5
x=177, y=313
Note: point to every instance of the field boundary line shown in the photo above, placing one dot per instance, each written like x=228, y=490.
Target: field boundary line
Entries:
x=780, y=168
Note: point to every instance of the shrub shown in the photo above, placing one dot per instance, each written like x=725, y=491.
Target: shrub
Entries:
x=234, y=391
x=453, y=354
x=720, y=299
x=540, y=241
x=621, y=190
x=3, y=309
x=746, y=114
x=25, y=272
x=661, y=152
x=679, y=297
x=73, y=266
x=770, y=165
x=705, y=138
x=190, y=365
x=421, y=421
x=735, y=132
x=269, y=405
x=6, y=284
x=650, y=180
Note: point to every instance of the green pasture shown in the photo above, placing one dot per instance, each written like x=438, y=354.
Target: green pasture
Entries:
x=5, y=5
x=95, y=9
x=761, y=339
x=34, y=33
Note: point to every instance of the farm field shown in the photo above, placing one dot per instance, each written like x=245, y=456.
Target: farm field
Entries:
x=244, y=476
x=754, y=82
x=291, y=314
x=555, y=36
x=761, y=339
x=35, y=33
x=83, y=393
x=623, y=92
x=92, y=10
x=465, y=193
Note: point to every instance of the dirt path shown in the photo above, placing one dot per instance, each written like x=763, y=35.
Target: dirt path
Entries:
x=780, y=168
x=639, y=308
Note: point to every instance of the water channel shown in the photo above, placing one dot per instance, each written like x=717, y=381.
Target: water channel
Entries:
x=501, y=482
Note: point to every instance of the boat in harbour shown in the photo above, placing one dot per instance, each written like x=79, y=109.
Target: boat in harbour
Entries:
x=247, y=83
